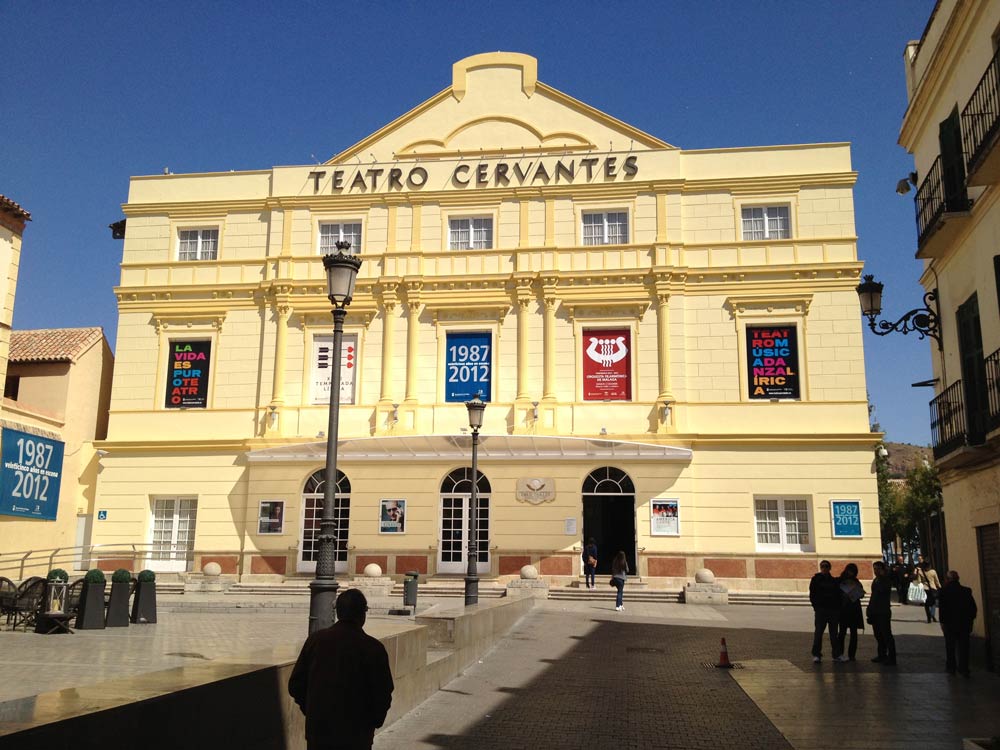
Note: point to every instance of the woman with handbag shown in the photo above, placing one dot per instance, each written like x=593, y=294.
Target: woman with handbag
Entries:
x=619, y=572
x=851, y=618
x=928, y=579
x=590, y=563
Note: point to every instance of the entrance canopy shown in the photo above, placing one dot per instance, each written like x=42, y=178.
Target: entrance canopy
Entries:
x=459, y=447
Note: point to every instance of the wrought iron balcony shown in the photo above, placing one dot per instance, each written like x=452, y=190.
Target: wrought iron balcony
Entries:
x=948, y=430
x=992, y=420
x=942, y=210
x=981, y=127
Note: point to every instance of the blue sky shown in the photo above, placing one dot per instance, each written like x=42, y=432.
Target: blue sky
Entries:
x=98, y=92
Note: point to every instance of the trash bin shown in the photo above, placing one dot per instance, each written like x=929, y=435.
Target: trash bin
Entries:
x=410, y=589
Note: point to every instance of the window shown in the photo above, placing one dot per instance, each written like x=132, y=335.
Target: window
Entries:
x=11, y=387
x=766, y=223
x=331, y=234
x=272, y=517
x=470, y=234
x=605, y=228
x=782, y=524
x=198, y=244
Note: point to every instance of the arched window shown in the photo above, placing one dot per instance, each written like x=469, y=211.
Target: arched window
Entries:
x=456, y=491
x=608, y=481
x=312, y=512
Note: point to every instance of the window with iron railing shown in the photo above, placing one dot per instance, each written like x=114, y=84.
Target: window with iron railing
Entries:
x=981, y=116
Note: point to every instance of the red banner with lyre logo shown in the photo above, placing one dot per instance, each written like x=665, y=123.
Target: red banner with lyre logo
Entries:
x=607, y=364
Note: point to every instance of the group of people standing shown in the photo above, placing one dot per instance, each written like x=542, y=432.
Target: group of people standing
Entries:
x=836, y=603
x=619, y=571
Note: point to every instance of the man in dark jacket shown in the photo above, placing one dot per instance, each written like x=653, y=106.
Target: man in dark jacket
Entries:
x=956, y=610
x=879, y=614
x=825, y=596
x=342, y=681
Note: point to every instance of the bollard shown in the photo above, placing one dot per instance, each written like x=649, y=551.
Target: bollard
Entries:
x=410, y=589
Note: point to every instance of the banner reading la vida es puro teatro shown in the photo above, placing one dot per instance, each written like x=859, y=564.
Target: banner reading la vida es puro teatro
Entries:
x=30, y=475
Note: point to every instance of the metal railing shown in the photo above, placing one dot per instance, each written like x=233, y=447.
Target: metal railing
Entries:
x=932, y=201
x=981, y=116
x=993, y=391
x=18, y=563
x=948, y=429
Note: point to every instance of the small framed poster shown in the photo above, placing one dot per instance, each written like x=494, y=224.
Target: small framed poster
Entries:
x=392, y=519
x=664, y=517
x=845, y=517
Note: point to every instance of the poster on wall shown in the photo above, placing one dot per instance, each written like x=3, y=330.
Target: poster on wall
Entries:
x=607, y=364
x=846, y=518
x=392, y=519
x=322, y=368
x=30, y=476
x=664, y=517
x=187, y=374
x=773, y=361
x=468, y=366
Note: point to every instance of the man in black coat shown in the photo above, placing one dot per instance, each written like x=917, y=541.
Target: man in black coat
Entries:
x=956, y=611
x=880, y=616
x=825, y=597
x=342, y=681
x=901, y=574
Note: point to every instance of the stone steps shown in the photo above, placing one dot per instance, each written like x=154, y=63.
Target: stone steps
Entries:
x=632, y=593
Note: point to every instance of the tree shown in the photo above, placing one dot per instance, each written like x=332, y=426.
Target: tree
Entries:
x=889, y=503
x=921, y=498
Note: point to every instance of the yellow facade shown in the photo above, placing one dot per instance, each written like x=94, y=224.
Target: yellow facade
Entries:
x=505, y=211
x=951, y=128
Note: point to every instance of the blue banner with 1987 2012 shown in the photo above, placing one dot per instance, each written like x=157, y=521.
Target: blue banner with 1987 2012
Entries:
x=846, y=518
x=30, y=475
x=468, y=366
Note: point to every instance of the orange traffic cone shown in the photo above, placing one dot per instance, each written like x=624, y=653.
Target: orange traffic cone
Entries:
x=724, y=662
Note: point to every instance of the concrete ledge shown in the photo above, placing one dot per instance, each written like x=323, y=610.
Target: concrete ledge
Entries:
x=142, y=711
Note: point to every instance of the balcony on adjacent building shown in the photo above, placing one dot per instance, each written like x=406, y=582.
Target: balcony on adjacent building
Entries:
x=981, y=128
x=942, y=205
x=967, y=417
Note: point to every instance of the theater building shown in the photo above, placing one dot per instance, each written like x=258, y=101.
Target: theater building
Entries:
x=668, y=342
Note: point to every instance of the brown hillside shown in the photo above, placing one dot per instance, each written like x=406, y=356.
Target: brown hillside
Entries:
x=903, y=457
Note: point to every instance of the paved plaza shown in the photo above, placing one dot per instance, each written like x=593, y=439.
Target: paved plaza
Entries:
x=579, y=674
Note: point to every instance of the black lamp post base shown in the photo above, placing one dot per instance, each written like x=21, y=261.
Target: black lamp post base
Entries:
x=322, y=603
x=471, y=590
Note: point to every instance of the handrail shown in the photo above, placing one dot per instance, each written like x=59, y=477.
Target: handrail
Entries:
x=20, y=559
x=981, y=116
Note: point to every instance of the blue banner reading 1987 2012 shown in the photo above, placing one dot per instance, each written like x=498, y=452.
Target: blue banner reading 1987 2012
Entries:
x=468, y=366
x=30, y=475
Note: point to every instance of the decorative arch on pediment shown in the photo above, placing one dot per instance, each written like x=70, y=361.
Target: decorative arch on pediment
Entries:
x=500, y=132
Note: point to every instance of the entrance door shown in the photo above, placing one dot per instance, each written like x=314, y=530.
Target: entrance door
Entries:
x=970, y=343
x=609, y=515
x=989, y=573
x=453, y=547
x=312, y=513
x=173, y=533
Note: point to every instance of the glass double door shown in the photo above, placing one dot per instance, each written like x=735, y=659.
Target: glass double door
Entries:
x=453, y=550
x=172, y=548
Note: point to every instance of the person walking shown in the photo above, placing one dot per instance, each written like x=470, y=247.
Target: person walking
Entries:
x=342, y=681
x=590, y=563
x=901, y=573
x=851, y=618
x=957, y=610
x=928, y=579
x=879, y=613
x=619, y=572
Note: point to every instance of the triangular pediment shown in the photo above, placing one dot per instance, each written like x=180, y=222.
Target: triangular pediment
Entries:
x=497, y=106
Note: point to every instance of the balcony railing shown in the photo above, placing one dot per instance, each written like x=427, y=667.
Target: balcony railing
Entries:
x=932, y=201
x=993, y=391
x=981, y=116
x=948, y=420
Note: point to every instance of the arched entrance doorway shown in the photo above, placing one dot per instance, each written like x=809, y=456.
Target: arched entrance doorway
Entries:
x=453, y=546
x=312, y=511
x=609, y=515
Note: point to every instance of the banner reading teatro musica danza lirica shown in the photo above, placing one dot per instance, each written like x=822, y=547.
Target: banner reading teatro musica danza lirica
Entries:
x=773, y=361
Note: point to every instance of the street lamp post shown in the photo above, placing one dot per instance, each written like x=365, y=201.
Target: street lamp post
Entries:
x=476, y=408
x=341, y=273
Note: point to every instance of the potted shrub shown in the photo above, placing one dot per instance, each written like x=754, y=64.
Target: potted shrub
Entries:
x=144, y=602
x=90, y=616
x=55, y=590
x=121, y=581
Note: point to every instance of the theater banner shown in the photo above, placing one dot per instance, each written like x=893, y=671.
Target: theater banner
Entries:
x=468, y=366
x=322, y=373
x=31, y=475
x=187, y=374
x=773, y=361
x=607, y=364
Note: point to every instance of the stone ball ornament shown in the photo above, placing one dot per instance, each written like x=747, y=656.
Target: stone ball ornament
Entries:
x=704, y=576
x=529, y=573
x=373, y=570
x=212, y=569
